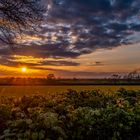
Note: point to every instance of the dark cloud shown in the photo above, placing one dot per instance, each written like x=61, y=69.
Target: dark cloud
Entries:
x=83, y=26
x=77, y=27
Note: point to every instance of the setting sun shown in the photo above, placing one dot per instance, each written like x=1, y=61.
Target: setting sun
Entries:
x=24, y=69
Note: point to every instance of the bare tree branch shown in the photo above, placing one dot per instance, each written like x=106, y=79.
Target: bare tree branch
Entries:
x=17, y=16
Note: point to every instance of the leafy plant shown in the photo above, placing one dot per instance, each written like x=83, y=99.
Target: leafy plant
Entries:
x=72, y=116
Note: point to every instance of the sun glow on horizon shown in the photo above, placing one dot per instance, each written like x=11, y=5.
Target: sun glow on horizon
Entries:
x=23, y=69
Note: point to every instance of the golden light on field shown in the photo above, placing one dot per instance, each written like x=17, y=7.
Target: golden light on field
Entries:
x=23, y=69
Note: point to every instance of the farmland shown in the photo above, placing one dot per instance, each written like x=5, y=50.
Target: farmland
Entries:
x=70, y=112
x=12, y=81
x=18, y=91
x=71, y=115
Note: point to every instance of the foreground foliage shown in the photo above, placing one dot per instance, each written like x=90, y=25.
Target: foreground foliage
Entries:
x=85, y=115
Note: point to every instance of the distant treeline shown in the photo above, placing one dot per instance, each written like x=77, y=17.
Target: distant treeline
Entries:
x=46, y=81
x=131, y=76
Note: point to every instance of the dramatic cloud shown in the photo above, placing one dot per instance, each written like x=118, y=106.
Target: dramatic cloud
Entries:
x=77, y=27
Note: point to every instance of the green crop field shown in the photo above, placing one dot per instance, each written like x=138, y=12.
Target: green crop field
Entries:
x=15, y=91
x=70, y=112
x=71, y=115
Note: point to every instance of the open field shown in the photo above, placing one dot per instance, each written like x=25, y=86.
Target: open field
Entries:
x=66, y=82
x=44, y=90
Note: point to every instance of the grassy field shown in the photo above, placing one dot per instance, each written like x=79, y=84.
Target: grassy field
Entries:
x=18, y=91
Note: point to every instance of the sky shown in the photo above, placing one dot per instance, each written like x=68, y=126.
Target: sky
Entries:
x=78, y=38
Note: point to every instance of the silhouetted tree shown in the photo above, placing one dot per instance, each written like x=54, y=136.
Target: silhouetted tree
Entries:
x=51, y=77
x=16, y=16
x=115, y=76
